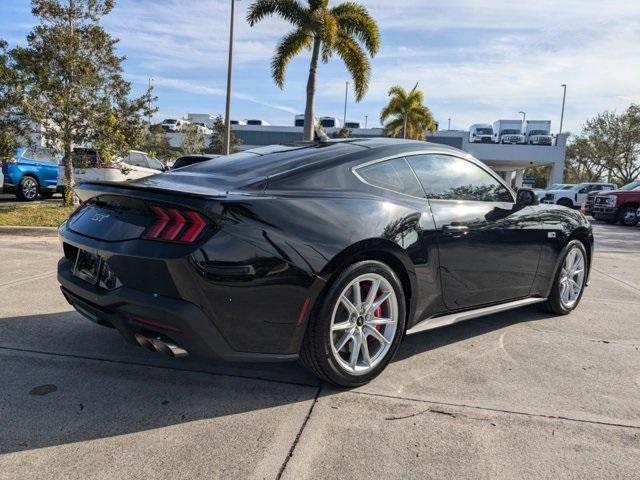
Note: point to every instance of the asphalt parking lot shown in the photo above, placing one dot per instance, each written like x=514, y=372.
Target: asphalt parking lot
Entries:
x=514, y=395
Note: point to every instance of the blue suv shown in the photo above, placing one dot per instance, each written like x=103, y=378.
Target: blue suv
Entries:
x=31, y=172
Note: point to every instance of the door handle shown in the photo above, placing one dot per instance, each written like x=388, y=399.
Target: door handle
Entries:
x=455, y=230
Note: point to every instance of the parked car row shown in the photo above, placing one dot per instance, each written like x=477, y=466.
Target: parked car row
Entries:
x=574, y=196
x=39, y=172
x=621, y=205
x=535, y=132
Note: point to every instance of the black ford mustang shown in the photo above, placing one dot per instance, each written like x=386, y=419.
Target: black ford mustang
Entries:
x=329, y=252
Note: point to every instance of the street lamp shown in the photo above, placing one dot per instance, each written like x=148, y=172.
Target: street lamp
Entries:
x=346, y=96
x=524, y=116
x=449, y=126
x=149, y=114
x=564, y=97
x=227, y=117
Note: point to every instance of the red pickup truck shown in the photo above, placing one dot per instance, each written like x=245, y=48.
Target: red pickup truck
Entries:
x=618, y=205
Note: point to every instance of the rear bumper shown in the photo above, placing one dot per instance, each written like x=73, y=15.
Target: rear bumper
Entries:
x=179, y=321
x=604, y=213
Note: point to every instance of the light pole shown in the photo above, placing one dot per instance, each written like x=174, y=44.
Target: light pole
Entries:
x=524, y=117
x=564, y=97
x=346, y=96
x=366, y=121
x=449, y=127
x=149, y=115
x=227, y=117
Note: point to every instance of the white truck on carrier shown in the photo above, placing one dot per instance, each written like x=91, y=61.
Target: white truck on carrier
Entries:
x=480, y=133
x=538, y=132
x=508, y=131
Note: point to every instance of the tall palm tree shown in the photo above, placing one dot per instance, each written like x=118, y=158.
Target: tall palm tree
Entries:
x=346, y=30
x=406, y=115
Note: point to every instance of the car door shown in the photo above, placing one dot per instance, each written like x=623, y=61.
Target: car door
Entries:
x=488, y=249
x=47, y=168
x=580, y=196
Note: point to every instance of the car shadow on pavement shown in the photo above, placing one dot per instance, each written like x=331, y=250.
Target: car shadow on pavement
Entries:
x=433, y=339
x=68, y=380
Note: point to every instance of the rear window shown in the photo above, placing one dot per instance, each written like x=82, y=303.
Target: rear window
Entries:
x=186, y=161
x=394, y=175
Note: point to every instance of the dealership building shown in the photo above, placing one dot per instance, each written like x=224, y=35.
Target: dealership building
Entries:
x=510, y=161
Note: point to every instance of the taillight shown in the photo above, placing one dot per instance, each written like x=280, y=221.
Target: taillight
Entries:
x=174, y=225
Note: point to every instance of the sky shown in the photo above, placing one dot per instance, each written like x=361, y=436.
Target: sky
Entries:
x=476, y=61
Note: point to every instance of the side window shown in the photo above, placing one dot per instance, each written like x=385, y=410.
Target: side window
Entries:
x=45, y=155
x=138, y=160
x=446, y=177
x=155, y=164
x=30, y=154
x=392, y=175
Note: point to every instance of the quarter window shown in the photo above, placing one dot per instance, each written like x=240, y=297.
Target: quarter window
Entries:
x=138, y=160
x=446, y=177
x=392, y=175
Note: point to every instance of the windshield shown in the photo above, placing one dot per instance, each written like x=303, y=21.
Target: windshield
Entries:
x=484, y=131
x=567, y=187
x=510, y=131
x=538, y=132
x=631, y=186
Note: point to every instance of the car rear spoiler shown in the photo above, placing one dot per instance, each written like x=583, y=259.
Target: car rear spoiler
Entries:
x=87, y=190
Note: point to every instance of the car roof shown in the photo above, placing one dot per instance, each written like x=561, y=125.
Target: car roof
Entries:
x=199, y=155
x=257, y=165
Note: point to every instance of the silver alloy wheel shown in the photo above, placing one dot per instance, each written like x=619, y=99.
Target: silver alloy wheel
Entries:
x=572, y=277
x=29, y=188
x=364, y=323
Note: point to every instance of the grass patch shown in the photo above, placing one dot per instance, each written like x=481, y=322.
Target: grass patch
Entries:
x=34, y=214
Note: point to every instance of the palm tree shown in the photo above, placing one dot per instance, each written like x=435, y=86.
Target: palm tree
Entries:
x=346, y=30
x=408, y=117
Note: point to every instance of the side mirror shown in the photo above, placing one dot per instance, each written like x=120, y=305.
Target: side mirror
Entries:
x=526, y=197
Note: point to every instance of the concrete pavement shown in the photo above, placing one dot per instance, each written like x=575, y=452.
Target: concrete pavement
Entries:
x=515, y=395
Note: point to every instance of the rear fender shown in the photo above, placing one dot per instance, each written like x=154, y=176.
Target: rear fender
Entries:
x=376, y=249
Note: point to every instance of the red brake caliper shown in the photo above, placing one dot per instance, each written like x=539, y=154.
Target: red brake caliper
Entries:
x=378, y=313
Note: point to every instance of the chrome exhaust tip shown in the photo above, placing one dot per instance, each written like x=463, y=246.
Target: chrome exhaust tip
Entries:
x=145, y=342
x=157, y=345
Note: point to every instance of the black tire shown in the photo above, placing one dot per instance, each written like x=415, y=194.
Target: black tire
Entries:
x=629, y=216
x=28, y=189
x=554, y=303
x=316, y=352
x=565, y=202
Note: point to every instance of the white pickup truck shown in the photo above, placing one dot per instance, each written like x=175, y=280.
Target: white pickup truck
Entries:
x=575, y=196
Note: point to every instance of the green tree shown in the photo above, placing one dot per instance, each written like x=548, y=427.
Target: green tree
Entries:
x=157, y=144
x=346, y=30
x=72, y=81
x=405, y=115
x=607, y=149
x=193, y=140
x=12, y=124
x=216, y=144
x=540, y=176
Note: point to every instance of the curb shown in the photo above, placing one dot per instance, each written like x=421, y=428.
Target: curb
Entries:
x=30, y=231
